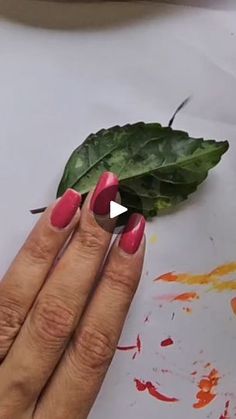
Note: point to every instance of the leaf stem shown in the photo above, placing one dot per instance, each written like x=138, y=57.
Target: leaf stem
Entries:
x=181, y=106
x=38, y=210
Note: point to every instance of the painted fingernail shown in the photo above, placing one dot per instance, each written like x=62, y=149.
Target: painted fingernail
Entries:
x=106, y=191
x=133, y=233
x=65, y=209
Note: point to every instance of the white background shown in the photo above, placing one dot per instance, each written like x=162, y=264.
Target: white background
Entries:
x=67, y=70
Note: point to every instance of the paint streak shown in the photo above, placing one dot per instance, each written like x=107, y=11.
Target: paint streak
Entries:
x=126, y=348
x=226, y=411
x=213, y=278
x=206, y=385
x=167, y=342
x=152, y=390
x=233, y=305
x=153, y=239
x=169, y=277
x=138, y=346
x=187, y=296
x=184, y=297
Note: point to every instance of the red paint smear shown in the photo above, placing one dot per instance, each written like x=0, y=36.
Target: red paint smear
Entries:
x=126, y=348
x=187, y=296
x=206, y=386
x=167, y=342
x=226, y=411
x=169, y=276
x=142, y=386
x=233, y=305
x=139, y=344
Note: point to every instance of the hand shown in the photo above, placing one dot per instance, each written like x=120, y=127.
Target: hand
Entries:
x=58, y=332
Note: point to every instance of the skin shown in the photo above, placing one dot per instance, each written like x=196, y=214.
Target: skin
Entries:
x=57, y=330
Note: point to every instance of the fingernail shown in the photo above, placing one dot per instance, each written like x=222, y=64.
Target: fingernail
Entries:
x=65, y=209
x=106, y=191
x=133, y=233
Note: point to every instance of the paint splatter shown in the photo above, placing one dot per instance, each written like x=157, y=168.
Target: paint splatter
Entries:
x=153, y=239
x=226, y=411
x=213, y=278
x=187, y=310
x=233, y=305
x=207, y=365
x=139, y=344
x=138, y=347
x=193, y=373
x=206, y=385
x=152, y=390
x=187, y=296
x=147, y=318
x=167, y=342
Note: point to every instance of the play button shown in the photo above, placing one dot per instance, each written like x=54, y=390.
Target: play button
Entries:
x=118, y=212
x=116, y=209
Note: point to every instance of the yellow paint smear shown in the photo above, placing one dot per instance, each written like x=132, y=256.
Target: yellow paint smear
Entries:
x=153, y=239
x=213, y=278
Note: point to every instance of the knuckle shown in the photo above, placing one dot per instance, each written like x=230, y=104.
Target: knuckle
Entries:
x=90, y=240
x=11, y=319
x=38, y=249
x=52, y=319
x=121, y=282
x=94, y=348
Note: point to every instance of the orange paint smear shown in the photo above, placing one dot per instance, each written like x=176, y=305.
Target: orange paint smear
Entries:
x=226, y=411
x=213, y=278
x=207, y=385
x=187, y=296
x=152, y=390
x=233, y=305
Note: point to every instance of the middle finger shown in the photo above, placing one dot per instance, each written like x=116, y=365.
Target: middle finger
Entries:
x=58, y=307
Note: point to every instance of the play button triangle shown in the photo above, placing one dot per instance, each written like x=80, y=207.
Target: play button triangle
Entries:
x=116, y=209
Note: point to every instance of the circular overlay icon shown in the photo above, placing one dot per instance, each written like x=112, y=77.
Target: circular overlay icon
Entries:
x=116, y=211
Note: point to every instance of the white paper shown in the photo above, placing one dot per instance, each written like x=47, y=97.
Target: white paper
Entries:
x=69, y=70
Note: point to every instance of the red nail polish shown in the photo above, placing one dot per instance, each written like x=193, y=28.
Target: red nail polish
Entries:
x=106, y=191
x=65, y=208
x=132, y=234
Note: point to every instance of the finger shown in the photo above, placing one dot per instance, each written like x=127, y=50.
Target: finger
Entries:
x=59, y=305
x=29, y=270
x=90, y=352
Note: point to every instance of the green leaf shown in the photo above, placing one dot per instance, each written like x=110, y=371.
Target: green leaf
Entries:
x=161, y=165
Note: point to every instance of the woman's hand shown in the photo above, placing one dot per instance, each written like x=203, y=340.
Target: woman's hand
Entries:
x=58, y=333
